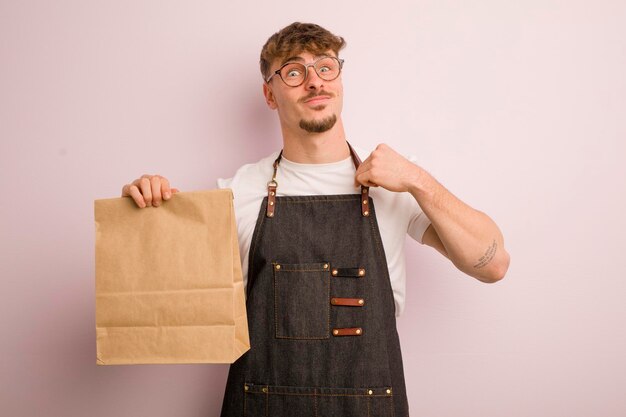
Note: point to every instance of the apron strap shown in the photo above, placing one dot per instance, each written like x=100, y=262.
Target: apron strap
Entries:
x=365, y=211
x=273, y=184
x=271, y=189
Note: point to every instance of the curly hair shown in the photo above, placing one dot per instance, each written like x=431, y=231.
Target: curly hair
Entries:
x=295, y=38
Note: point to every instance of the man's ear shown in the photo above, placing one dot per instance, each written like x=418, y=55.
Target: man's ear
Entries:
x=269, y=97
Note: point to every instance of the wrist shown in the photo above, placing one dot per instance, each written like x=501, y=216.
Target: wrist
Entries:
x=418, y=181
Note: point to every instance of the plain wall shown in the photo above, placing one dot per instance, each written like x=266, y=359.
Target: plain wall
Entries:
x=516, y=107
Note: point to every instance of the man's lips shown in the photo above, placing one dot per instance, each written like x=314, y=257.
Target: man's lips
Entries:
x=317, y=99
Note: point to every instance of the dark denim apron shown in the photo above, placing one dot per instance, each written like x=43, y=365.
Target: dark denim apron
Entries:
x=321, y=313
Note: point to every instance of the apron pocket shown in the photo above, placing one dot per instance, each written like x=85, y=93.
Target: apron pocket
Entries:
x=278, y=401
x=302, y=300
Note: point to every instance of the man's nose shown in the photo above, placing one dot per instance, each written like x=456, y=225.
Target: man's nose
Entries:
x=313, y=81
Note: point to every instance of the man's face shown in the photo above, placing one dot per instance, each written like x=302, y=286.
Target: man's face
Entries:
x=314, y=106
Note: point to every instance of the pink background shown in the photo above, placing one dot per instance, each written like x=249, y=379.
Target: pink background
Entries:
x=517, y=107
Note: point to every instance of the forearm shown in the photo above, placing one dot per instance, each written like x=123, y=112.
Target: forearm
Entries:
x=472, y=240
x=468, y=237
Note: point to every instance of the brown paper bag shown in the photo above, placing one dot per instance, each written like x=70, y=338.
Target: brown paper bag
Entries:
x=169, y=286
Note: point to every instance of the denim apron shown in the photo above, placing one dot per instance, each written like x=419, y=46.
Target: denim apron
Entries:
x=321, y=313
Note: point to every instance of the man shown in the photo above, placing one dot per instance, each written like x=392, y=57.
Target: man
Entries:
x=323, y=253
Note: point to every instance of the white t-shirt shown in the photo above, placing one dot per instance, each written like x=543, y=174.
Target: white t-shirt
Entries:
x=397, y=213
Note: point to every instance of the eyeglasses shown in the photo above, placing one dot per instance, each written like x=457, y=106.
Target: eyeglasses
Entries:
x=293, y=74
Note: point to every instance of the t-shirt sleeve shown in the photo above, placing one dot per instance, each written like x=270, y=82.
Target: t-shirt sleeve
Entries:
x=418, y=225
x=418, y=222
x=224, y=182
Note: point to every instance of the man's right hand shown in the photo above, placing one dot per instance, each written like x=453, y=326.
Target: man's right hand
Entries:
x=149, y=190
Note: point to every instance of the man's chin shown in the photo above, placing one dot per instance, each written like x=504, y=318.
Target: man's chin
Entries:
x=318, y=126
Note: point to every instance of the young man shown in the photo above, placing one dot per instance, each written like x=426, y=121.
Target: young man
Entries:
x=323, y=253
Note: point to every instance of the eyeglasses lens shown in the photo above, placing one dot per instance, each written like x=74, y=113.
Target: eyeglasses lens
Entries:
x=293, y=74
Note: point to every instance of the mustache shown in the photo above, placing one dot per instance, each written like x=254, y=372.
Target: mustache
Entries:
x=318, y=94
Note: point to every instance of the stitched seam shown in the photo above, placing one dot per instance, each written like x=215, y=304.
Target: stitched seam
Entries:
x=381, y=251
x=254, y=247
x=349, y=277
x=302, y=338
x=328, y=306
x=302, y=266
x=318, y=201
x=319, y=394
x=275, y=305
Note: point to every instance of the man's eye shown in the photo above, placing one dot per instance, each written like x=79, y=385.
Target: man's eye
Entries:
x=324, y=69
x=293, y=73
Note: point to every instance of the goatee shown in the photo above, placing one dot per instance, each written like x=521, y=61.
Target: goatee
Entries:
x=318, y=126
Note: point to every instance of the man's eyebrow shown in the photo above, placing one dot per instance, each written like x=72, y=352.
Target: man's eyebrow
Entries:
x=300, y=59
x=291, y=59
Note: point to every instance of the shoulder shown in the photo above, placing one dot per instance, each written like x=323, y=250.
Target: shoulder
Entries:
x=249, y=185
x=250, y=175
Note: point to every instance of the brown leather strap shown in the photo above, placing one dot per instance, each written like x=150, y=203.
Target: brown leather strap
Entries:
x=365, y=211
x=271, y=199
x=273, y=185
x=271, y=189
x=350, y=302
x=352, y=331
x=355, y=157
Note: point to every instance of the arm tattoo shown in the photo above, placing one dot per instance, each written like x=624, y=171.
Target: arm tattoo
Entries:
x=488, y=256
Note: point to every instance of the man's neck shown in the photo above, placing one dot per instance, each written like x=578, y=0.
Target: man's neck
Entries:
x=316, y=148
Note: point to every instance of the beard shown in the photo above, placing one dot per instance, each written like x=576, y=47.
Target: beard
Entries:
x=318, y=126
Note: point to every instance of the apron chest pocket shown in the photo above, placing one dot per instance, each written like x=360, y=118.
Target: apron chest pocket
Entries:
x=302, y=300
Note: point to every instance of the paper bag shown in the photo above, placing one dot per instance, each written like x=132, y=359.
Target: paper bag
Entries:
x=169, y=285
